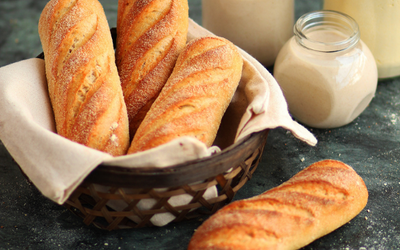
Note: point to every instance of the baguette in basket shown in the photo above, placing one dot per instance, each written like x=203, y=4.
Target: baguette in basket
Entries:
x=313, y=203
x=195, y=97
x=151, y=34
x=83, y=82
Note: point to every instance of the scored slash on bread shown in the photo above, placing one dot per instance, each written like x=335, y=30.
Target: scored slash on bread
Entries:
x=83, y=82
x=195, y=97
x=313, y=203
x=150, y=36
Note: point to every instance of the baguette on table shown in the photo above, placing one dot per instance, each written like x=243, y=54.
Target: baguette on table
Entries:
x=195, y=97
x=313, y=203
x=83, y=82
x=150, y=36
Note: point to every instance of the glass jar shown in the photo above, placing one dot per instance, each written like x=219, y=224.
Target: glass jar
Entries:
x=379, y=23
x=327, y=74
x=260, y=27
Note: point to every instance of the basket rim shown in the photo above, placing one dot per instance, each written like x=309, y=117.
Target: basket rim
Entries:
x=179, y=174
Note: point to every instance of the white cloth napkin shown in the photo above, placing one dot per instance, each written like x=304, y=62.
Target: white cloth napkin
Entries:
x=57, y=165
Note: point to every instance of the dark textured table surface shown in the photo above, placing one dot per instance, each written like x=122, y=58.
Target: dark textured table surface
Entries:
x=370, y=144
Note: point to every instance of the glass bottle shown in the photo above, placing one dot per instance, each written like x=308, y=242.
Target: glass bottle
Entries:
x=260, y=27
x=379, y=23
x=327, y=74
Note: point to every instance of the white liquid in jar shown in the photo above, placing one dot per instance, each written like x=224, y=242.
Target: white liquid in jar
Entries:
x=260, y=27
x=326, y=90
x=379, y=22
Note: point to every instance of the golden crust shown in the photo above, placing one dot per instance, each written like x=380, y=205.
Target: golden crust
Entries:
x=151, y=34
x=313, y=203
x=195, y=97
x=83, y=82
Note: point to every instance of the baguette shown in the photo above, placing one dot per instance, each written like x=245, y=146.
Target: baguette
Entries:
x=83, y=82
x=313, y=203
x=195, y=97
x=150, y=36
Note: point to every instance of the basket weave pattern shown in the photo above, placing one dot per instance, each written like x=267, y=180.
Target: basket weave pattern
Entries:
x=91, y=204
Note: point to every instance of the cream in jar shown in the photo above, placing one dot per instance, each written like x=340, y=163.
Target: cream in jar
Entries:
x=327, y=74
x=379, y=23
x=260, y=27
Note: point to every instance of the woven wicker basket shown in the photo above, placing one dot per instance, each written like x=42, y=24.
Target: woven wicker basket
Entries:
x=229, y=170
